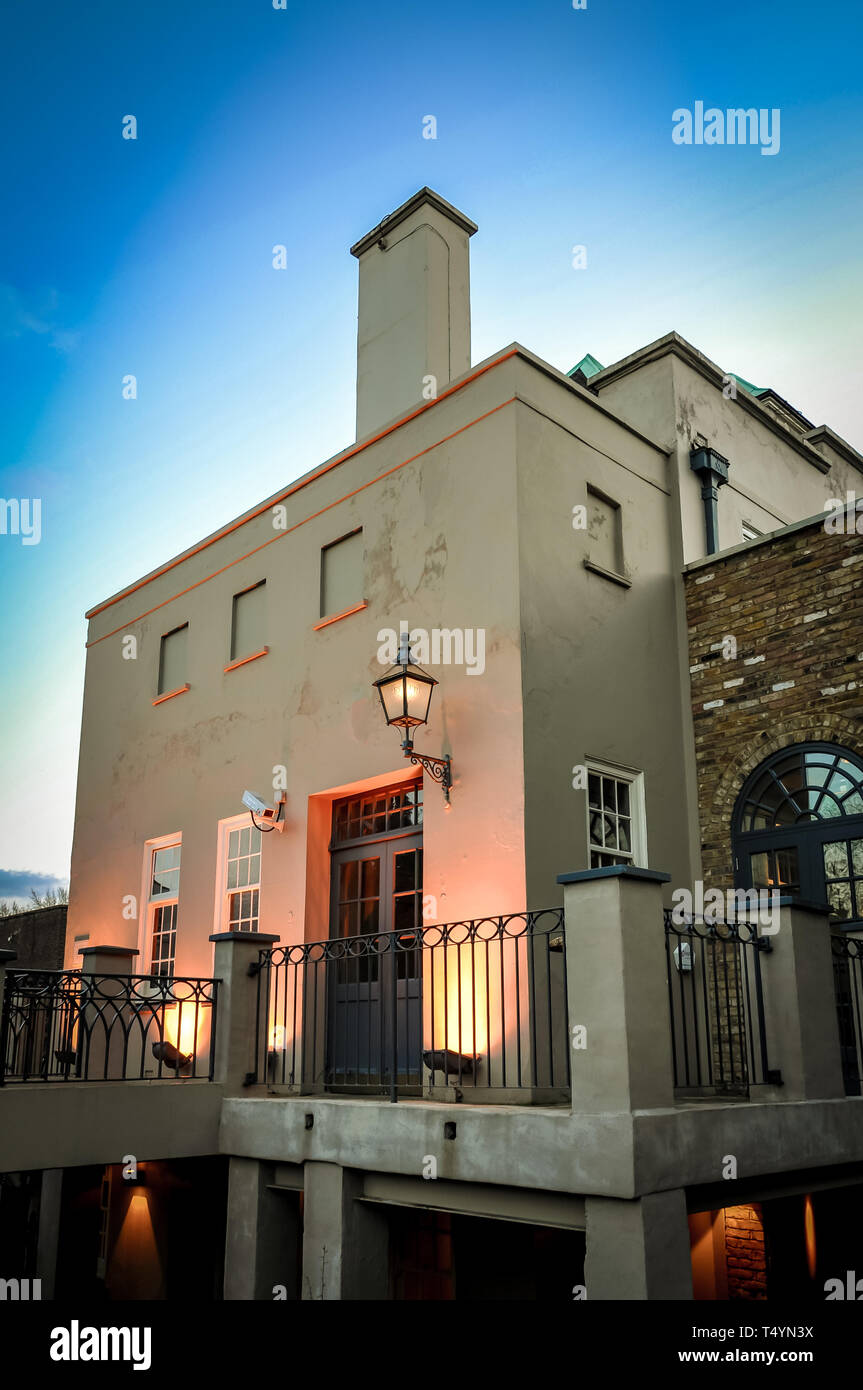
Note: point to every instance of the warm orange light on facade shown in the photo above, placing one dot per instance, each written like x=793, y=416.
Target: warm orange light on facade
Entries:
x=180, y=1029
x=136, y=1240
x=809, y=1228
x=477, y=1003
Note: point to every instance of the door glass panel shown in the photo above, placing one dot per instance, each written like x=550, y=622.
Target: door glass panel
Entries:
x=407, y=907
x=359, y=915
x=348, y=878
x=405, y=871
x=370, y=911
x=371, y=878
x=775, y=868
x=348, y=919
x=839, y=897
x=836, y=859
x=404, y=913
x=843, y=872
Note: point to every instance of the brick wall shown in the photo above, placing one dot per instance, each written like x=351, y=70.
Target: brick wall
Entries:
x=745, y=1252
x=37, y=937
x=794, y=608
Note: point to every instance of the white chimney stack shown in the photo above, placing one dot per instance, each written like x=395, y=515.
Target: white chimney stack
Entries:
x=413, y=333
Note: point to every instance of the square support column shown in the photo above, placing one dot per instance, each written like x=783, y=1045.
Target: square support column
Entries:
x=103, y=1048
x=345, y=1242
x=617, y=990
x=638, y=1250
x=240, y=1026
x=800, y=1020
x=263, y=1235
x=49, y=1229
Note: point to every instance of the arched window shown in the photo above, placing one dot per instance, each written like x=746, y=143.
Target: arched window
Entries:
x=798, y=826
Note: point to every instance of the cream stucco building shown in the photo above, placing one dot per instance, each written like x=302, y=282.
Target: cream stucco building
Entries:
x=533, y=526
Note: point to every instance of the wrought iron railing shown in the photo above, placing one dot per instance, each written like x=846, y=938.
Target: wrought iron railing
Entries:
x=478, y=1005
x=716, y=1006
x=848, y=982
x=62, y=1025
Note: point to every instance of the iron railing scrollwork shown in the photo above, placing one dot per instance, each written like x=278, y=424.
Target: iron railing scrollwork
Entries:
x=477, y=1004
x=716, y=1005
x=64, y=1025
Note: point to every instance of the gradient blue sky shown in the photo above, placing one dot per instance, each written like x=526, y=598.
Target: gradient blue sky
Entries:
x=304, y=127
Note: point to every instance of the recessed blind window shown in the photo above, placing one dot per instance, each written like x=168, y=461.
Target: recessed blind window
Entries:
x=247, y=622
x=172, y=660
x=243, y=878
x=163, y=899
x=342, y=574
x=604, y=531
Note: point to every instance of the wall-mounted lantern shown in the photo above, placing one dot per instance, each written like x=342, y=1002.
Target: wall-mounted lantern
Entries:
x=405, y=692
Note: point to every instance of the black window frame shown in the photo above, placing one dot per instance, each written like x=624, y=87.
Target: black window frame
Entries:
x=807, y=836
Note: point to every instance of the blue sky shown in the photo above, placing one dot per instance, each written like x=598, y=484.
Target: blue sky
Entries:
x=303, y=127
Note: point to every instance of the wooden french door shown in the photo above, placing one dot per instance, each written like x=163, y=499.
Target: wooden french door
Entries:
x=374, y=987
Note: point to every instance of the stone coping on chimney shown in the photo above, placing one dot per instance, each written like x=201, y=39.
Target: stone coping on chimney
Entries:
x=389, y=224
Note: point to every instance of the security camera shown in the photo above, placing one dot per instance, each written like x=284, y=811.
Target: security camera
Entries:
x=270, y=815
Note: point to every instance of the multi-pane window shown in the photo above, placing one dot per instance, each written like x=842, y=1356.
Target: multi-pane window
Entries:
x=843, y=876
x=798, y=827
x=164, y=893
x=172, y=660
x=396, y=808
x=243, y=878
x=342, y=574
x=615, y=818
x=407, y=910
x=776, y=868
x=358, y=907
x=247, y=622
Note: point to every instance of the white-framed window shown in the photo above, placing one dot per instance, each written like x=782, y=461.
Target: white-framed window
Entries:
x=238, y=898
x=750, y=532
x=163, y=897
x=616, y=823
